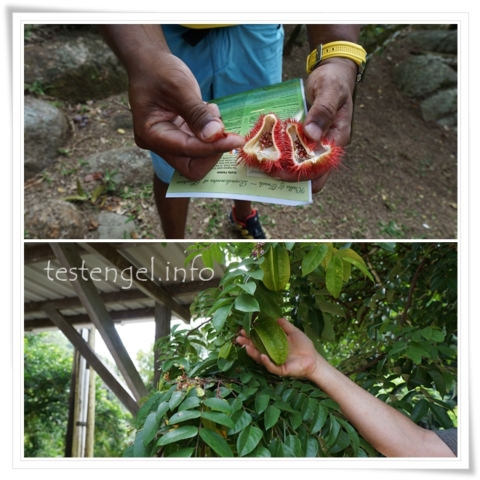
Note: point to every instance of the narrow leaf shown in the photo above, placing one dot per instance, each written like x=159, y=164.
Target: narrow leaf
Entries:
x=248, y=440
x=216, y=442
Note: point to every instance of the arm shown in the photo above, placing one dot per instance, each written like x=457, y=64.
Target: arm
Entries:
x=386, y=429
x=169, y=115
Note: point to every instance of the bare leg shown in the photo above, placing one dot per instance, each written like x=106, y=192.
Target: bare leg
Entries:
x=243, y=209
x=172, y=211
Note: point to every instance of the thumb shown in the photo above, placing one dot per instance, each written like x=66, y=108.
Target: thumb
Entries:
x=203, y=119
x=320, y=116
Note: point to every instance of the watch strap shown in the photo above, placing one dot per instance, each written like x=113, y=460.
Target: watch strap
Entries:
x=343, y=49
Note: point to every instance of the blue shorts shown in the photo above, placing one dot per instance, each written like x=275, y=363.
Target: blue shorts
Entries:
x=228, y=60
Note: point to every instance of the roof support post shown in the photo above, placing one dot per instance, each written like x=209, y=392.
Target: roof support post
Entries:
x=90, y=356
x=69, y=257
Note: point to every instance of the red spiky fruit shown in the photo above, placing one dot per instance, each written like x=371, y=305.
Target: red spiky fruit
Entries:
x=266, y=145
x=274, y=145
x=309, y=158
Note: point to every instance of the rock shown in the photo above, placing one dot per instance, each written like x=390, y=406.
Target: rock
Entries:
x=441, y=105
x=54, y=219
x=75, y=68
x=133, y=166
x=112, y=225
x=420, y=76
x=123, y=120
x=443, y=41
x=45, y=131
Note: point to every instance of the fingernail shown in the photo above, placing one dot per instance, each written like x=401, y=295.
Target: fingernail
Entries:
x=212, y=130
x=313, y=131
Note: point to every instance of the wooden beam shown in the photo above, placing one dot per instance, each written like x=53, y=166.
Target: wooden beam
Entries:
x=150, y=288
x=118, y=316
x=69, y=258
x=176, y=290
x=90, y=356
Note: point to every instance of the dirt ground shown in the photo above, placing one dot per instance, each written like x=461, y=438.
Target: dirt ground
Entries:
x=398, y=179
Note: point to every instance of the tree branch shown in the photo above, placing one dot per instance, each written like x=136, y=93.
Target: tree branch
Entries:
x=410, y=292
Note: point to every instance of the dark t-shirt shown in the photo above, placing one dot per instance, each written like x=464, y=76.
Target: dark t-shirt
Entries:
x=449, y=437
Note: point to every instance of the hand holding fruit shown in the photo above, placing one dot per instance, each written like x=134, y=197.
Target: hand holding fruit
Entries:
x=302, y=361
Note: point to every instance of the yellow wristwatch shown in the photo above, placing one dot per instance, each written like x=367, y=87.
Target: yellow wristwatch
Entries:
x=338, y=49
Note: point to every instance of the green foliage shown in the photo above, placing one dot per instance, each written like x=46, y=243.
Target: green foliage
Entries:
x=47, y=372
x=384, y=314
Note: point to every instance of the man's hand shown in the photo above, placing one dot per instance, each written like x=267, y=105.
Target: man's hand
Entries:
x=302, y=361
x=169, y=115
x=171, y=119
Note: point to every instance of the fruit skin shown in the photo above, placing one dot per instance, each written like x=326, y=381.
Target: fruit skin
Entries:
x=309, y=158
x=270, y=339
x=265, y=144
x=274, y=145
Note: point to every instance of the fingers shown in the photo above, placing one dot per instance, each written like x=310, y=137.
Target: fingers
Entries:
x=329, y=92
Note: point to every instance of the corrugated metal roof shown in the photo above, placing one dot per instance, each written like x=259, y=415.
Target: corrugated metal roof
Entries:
x=46, y=281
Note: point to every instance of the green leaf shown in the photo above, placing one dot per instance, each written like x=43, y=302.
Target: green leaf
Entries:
x=175, y=400
x=271, y=417
x=241, y=419
x=138, y=445
x=333, y=433
x=246, y=303
x=183, y=452
x=216, y=442
x=308, y=408
x=334, y=276
x=248, y=287
x=177, y=434
x=293, y=443
x=261, y=403
x=261, y=452
x=220, y=316
x=313, y=259
x=276, y=268
x=441, y=416
x=219, y=417
x=355, y=259
x=270, y=302
x=188, y=403
x=437, y=335
x=312, y=447
x=295, y=420
x=352, y=433
x=329, y=307
x=427, y=332
x=218, y=404
x=248, y=439
x=388, y=246
x=150, y=428
x=183, y=416
x=207, y=258
x=419, y=410
x=161, y=411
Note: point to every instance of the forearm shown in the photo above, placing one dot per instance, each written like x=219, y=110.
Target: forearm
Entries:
x=385, y=428
x=321, y=34
x=131, y=43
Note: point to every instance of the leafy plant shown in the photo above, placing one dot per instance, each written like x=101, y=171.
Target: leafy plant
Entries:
x=213, y=400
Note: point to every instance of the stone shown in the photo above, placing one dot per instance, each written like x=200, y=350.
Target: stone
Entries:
x=113, y=225
x=123, y=120
x=54, y=219
x=46, y=130
x=75, y=68
x=132, y=166
x=442, y=41
x=421, y=75
x=440, y=105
